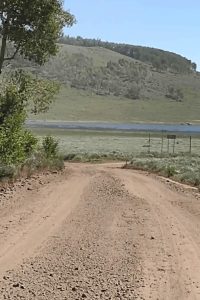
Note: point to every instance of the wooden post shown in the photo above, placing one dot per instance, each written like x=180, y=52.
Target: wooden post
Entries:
x=190, y=145
x=174, y=146
x=162, y=142
x=149, y=143
x=168, y=145
x=171, y=137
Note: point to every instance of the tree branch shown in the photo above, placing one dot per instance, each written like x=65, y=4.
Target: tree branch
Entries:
x=13, y=56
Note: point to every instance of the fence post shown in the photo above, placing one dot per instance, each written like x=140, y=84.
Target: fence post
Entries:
x=174, y=146
x=168, y=145
x=190, y=151
x=162, y=143
x=149, y=143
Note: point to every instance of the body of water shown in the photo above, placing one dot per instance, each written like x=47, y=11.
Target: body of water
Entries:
x=175, y=128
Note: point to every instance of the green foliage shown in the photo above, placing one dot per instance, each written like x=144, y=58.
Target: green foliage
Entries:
x=32, y=27
x=17, y=89
x=16, y=143
x=23, y=92
x=174, y=93
x=170, y=171
x=7, y=171
x=41, y=94
x=50, y=147
x=79, y=71
x=133, y=93
x=194, y=67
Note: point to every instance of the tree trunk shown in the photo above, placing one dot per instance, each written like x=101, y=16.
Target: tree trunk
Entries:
x=3, y=46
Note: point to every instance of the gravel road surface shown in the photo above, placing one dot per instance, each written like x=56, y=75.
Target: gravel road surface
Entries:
x=99, y=232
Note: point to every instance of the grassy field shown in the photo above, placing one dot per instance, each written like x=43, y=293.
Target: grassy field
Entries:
x=77, y=105
x=119, y=143
x=97, y=146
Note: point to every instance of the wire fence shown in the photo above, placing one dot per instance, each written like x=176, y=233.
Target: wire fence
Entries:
x=129, y=143
x=172, y=144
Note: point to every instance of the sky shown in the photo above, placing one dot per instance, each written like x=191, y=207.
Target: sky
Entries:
x=172, y=25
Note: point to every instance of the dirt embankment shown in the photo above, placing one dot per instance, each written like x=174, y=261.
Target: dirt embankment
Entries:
x=100, y=232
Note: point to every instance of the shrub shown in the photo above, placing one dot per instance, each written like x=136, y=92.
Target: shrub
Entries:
x=174, y=94
x=7, y=171
x=133, y=93
x=170, y=171
x=19, y=93
x=50, y=147
x=16, y=145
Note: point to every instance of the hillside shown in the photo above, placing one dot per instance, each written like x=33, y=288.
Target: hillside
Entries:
x=100, y=84
x=160, y=59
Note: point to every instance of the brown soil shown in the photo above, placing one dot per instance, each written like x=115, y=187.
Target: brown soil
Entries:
x=99, y=232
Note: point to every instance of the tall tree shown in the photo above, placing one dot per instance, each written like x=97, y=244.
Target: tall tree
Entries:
x=194, y=67
x=32, y=28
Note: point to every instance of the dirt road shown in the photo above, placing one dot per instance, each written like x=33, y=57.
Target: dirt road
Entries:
x=99, y=232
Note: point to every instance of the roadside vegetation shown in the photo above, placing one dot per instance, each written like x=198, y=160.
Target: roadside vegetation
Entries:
x=32, y=32
x=20, y=152
x=182, y=168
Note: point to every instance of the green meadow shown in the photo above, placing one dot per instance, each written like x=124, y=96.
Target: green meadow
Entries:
x=77, y=105
x=121, y=143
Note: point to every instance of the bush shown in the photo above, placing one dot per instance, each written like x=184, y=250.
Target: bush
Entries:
x=7, y=171
x=174, y=94
x=19, y=93
x=39, y=162
x=50, y=147
x=170, y=171
x=16, y=145
x=133, y=93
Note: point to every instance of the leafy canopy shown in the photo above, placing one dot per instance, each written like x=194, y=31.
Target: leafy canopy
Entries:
x=32, y=27
x=21, y=93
